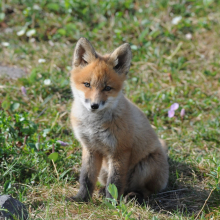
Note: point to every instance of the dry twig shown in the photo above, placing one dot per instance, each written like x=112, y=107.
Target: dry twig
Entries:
x=205, y=203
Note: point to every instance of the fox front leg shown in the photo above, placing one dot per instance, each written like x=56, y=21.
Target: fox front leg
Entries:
x=118, y=168
x=91, y=164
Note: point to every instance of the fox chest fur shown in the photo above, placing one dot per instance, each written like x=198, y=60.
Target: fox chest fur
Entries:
x=97, y=132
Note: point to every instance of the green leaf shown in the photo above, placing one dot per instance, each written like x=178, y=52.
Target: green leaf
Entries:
x=155, y=120
x=6, y=105
x=143, y=35
x=7, y=186
x=53, y=7
x=209, y=73
x=65, y=172
x=15, y=106
x=32, y=146
x=61, y=31
x=45, y=132
x=207, y=2
x=53, y=156
x=33, y=76
x=2, y=16
x=109, y=205
x=47, y=99
x=113, y=191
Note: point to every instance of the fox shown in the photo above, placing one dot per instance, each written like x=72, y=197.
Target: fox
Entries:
x=119, y=146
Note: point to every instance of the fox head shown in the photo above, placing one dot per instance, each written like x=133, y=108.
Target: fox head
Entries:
x=96, y=80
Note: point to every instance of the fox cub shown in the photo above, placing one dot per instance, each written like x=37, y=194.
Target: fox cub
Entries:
x=119, y=146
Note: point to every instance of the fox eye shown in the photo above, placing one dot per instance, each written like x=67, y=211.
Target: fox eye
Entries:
x=107, y=88
x=86, y=84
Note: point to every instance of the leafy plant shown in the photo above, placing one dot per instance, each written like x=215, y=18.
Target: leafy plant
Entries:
x=215, y=174
x=119, y=206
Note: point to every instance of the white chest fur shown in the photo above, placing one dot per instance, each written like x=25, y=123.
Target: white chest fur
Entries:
x=94, y=130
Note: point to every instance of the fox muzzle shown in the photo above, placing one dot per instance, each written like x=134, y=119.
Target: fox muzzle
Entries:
x=94, y=106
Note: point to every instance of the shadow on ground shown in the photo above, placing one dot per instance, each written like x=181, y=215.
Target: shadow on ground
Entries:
x=181, y=194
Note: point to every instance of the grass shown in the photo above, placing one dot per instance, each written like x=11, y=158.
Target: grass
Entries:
x=171, y=63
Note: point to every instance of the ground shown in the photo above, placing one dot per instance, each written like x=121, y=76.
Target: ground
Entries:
x=175, y=46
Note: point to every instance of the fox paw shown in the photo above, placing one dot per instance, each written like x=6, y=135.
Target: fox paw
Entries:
x=102, y=192
x=138, y=197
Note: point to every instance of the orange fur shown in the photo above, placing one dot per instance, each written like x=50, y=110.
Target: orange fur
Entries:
x=99, y=74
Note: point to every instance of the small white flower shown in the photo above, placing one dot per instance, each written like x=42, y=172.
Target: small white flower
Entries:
x=5, y=44
x=47, y=82
x=32, y=40
x=188, y=36
x=36, y=7
x=176, y=20
x=69, y=68
x=134, y=47
x=41, y=61
x=51, y=43
x=21, y=32
x=140, y=10
x=31, y=32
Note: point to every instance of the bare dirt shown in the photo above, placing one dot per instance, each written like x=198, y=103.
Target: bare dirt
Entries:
x=12, y=72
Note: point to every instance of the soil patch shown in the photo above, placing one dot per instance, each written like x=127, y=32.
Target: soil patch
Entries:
x=12, y=72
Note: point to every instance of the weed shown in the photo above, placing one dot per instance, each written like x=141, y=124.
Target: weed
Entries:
x=120, y=207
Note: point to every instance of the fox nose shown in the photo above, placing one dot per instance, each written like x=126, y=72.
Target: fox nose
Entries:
x=95, y=106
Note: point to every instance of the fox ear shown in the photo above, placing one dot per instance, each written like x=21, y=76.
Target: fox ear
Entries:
x=121, y=59
x=84, y=53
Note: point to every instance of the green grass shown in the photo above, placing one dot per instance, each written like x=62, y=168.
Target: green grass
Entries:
x=167, y=67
